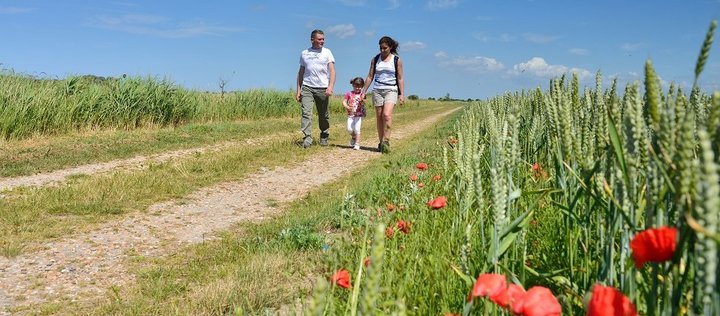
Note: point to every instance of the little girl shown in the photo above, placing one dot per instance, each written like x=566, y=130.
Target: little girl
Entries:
x=355, y=107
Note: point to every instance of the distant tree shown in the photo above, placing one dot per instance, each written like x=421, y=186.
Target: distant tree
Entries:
x=222, y=82
x=413, y=97
x=431, y=99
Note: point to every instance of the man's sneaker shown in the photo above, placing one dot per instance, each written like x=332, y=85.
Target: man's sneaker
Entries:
x=352, y=142
x=356, y=146
x=380, y=147
x=307, y=142
x=323, y=141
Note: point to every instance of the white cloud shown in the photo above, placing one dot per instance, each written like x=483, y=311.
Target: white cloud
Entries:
x=505, y=38
x=441, y=4
x=475, y=64
x=540, y=38
x=15, y=10
x=579, y=51
x=538, y=67
x=342, y=31
x=160, y=26
x=629, y=47
x=413, y=46
x=441, y=54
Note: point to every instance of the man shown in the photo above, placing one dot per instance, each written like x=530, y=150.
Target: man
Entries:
x=315, y=82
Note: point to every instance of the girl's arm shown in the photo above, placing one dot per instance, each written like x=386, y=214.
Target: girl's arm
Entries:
x=345, y=103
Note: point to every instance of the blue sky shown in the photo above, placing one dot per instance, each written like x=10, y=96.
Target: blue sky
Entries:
x=466, y=48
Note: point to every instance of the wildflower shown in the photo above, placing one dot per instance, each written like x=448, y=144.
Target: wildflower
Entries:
x=403, y=226
x=341, y=278
x=390, y=207
x=389, y=232
x=421, y=166
x=538, y=172
x=507, y=297
x=438, y=202
x=488, y=284
x=420, y=185
x=366, y=262
x=452, y=140
x=413, y=178
x=437, y=177
x=653, y=245
x=537, y=301
x=536, y=167
x=609, y=301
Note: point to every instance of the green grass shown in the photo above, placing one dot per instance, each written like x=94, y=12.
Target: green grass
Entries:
x=265, y=266
x=268, y=269
x=35, y=215
x=42, y=154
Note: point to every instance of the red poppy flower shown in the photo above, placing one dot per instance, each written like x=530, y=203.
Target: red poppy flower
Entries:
x=413, y=178
x=536, y=167
x=609, y=301
x=537, y=301
x=438, y=202
x=507, y=297
x=341, y=278
x=421, y=166
x=653, y=245
x=420, y=185
x=488, y=284
x=366, y=262
x=389, y=232
x=403, y=226
x=390, y=207
x=437, y=177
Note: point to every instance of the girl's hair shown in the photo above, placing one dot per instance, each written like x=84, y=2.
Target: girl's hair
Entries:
x=357, y=81
x=393, y=44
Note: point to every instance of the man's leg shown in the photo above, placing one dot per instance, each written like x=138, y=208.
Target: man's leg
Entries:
x=322, y=102
x=307, y=102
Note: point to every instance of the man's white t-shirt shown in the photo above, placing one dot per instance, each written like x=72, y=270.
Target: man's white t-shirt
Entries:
x=316, y=63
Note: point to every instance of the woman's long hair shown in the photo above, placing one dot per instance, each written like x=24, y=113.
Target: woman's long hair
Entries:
x=393, y=44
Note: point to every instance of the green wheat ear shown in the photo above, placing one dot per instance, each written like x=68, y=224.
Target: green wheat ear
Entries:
x=705, y=51
x=652, y=92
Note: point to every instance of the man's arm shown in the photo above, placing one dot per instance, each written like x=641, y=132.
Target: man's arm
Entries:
x=331, y=84
x=298, y=84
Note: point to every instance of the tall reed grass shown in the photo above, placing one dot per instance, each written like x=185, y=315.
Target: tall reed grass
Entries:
x=35, y=106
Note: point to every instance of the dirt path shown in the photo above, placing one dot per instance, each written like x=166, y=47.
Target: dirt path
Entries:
x=84, y=266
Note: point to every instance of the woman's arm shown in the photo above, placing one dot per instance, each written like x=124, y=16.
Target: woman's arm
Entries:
x=368, y=79
x=400, y=81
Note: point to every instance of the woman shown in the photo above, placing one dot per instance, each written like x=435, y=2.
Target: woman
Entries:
x=386, y=73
